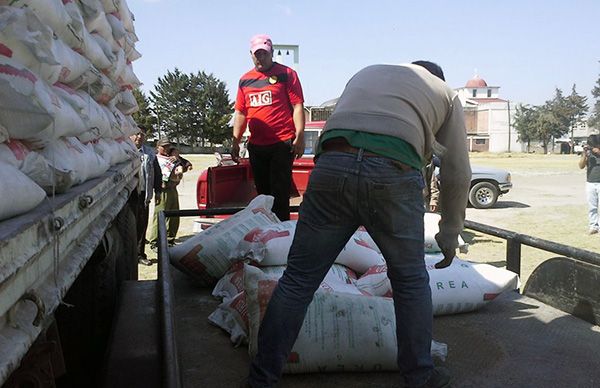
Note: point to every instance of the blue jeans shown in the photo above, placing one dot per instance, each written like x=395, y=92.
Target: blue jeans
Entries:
x=344, y=192
x=593, y=195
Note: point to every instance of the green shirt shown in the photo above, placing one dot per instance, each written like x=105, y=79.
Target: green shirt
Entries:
x=389, y=146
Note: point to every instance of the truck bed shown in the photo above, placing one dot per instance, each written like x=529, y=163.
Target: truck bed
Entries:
x=514, y=341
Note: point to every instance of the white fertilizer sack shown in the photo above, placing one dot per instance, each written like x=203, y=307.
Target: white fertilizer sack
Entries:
x=205, y=256
x=340, y=333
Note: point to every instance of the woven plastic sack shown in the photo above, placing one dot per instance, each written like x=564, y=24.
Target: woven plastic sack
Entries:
x=205, y=257
x=35, y=167
x=270, y=245
x=346, y=332
x=461, y=287
x=232, y=314
x=19, y=193
x=54, y=14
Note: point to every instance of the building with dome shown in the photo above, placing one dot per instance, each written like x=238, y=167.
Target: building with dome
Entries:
x=488, y=118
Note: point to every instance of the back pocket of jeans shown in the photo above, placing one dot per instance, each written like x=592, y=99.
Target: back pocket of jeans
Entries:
x=322, y=202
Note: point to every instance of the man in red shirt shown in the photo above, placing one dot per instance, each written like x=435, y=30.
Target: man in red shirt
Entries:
x=270, y=102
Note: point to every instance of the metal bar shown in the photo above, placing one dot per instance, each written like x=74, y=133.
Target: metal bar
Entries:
x=217, y=211
x=171, y=376
x=550, y=246
x=513, y=256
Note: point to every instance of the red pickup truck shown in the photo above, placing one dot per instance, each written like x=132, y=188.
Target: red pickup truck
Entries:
x=233, y=185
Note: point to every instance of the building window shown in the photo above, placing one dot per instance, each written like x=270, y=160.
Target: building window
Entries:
x=474, y=93
x=489, y=92
x=479, y=141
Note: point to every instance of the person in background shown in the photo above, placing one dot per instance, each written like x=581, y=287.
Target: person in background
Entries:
x=180, y=160
x=385, y=127
x=169, y=198
x=432, y=185
x=149, y=185
x=270, y=102
x=590, y=160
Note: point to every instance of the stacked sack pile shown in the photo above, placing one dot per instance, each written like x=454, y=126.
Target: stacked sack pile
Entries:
x=350, y=323
x=66, y=100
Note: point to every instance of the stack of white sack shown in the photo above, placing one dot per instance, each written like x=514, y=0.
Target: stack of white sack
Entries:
x=461, y=287
x=66, y=78
x=341, y=331
x=340, y=316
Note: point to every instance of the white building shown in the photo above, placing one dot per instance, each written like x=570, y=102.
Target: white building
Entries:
x=488, y=118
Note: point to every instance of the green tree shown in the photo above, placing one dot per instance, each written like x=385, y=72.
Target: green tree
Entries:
x=193, y=108
x=144, y=115
x=594, y=120
x=549, y=124
x=214, y=108
x=169, y=105
x=526, y=124
x=577, y=109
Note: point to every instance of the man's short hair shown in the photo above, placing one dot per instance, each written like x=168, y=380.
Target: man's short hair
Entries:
x=433, y=68
x=593, y=140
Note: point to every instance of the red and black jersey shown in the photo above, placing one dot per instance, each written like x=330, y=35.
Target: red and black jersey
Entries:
x=267, y=100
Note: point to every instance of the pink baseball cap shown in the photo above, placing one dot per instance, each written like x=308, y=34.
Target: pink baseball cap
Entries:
x=261, y=42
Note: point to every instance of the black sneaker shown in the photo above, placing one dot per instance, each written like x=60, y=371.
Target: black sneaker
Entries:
x=440, y=378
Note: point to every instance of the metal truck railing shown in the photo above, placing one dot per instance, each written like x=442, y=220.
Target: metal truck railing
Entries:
x=515, y=240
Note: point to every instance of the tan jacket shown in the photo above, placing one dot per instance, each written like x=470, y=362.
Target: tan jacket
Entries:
x=410, y=103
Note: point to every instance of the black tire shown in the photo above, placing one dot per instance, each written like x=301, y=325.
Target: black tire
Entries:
x=483, y=195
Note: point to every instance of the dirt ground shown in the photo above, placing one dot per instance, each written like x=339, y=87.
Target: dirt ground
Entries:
x=547, y=201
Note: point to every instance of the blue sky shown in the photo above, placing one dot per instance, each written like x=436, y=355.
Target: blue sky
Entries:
x=528, y=48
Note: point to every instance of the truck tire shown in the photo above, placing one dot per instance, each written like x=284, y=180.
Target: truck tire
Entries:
x=483, y=195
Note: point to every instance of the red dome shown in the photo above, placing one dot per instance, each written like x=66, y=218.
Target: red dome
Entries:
x=476, y=82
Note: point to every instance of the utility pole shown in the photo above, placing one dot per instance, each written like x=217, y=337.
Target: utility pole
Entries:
x=508, y=105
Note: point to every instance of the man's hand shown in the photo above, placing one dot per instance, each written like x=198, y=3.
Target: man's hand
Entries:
x=157, y=200
x=298, y=147
x=448, y=247
x=235, y=151
x=448, y=257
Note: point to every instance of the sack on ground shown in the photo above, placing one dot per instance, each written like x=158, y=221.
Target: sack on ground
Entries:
x=205, y=256
x=341, y=332
x=463, y=286
x=232, y=314
x=270, y=245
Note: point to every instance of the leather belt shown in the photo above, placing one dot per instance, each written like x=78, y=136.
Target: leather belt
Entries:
x=341, y=145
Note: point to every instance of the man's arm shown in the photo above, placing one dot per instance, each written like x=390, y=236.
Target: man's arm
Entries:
x=156, y=180
x=299, y=122
x=239, y=125
x=455, y=178
x=584, y=158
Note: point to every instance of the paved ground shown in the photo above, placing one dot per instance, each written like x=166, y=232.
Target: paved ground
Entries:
x=531, y=192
